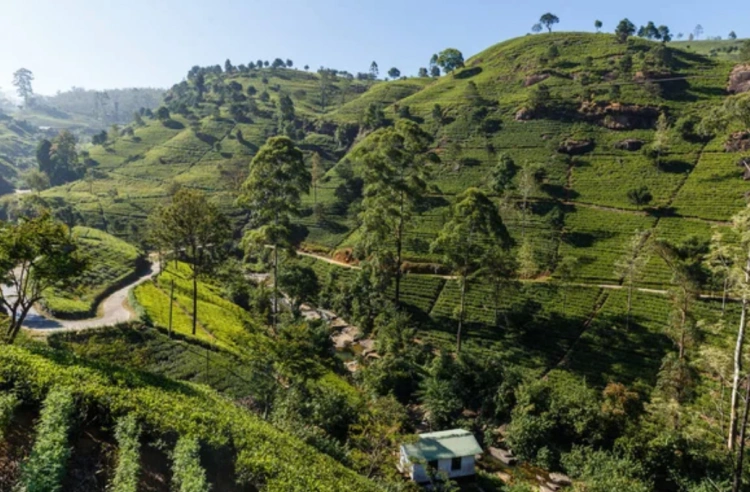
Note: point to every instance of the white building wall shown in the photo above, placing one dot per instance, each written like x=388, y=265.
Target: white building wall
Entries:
x=418, y=474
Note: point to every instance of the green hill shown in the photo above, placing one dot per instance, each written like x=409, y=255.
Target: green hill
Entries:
x=571, y=103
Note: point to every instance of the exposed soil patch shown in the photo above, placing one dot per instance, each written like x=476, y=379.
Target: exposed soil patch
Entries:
x=344, y=256
x=19, y=438
x=93, y=460
x=156, y=469
x=535, y=79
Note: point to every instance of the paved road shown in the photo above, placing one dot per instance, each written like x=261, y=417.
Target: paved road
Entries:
x=112, y=310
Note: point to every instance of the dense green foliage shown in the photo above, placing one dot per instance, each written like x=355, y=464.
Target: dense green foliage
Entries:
x=128, y=434
x=187, y=473
x=45, y=468
x=8, y=403
x=265, y=457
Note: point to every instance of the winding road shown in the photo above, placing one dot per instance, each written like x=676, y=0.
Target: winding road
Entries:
x=112, y=310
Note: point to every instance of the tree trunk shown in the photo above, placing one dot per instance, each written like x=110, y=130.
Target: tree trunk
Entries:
x=630, y=305
x=738, y=363
x=195, y=303
x=399, y=244
x=724, y=295
x=683, y=321
x=275, y=285
x=171, y=307
x=461, y=314
x=737, y=482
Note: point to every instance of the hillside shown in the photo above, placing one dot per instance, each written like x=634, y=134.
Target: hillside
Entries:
x=83, y=404
x=609, y=335
x=17, y=143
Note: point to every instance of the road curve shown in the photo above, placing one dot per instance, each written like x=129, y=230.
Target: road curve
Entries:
x=113, y=309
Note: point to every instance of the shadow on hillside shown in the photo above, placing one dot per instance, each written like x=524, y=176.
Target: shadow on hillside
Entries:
x=675, y=167
x=173, y=124
x=560, y=192
x=468, y=73
x=580, y=239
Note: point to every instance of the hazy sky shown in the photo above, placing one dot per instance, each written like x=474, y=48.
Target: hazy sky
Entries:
x=101, y=44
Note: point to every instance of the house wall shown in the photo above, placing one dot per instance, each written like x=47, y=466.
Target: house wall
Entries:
x=418, y=474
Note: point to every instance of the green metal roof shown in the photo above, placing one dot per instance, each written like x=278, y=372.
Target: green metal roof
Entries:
x=443, y=445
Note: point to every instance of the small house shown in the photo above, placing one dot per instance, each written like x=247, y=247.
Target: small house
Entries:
x=450, y=451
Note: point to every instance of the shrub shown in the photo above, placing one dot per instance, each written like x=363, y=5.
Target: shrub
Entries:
x=45, y=469
x=8, y=403
x=188, y=475
x=127, y=434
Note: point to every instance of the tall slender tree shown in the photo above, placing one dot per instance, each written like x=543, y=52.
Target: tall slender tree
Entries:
x=272, y=194
x=474, y=227
x=735, y=247
x=395, y=171
x=195, y=230
x=630, y=267
x=22, y=79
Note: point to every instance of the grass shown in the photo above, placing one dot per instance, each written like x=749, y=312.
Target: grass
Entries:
x=262, y=456
x=219, y=321
x=111, y=262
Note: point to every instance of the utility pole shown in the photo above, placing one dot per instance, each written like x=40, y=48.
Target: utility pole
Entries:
x=171, y=306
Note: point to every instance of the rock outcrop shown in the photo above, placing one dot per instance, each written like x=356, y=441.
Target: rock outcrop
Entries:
x=630, y=144
x=576, y=147
x=616, y=116
x=739, y=79
x=738, y=142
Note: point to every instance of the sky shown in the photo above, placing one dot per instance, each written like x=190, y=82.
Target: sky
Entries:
x=101, y=44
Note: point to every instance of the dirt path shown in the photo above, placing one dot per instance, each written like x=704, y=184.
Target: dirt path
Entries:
x=112, y=310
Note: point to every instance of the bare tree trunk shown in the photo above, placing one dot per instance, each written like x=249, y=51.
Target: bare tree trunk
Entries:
x=399, y=244
x=171, y=307
x=275, y=285
x=724, y=296
x=737, y=482
x=195, y=303
x=738, y=363
x=461, y=314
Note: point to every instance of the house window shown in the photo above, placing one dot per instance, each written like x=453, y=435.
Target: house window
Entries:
x=456, y=464
x=433, y=464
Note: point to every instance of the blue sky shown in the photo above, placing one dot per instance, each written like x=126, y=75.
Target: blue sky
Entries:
x=108, y=43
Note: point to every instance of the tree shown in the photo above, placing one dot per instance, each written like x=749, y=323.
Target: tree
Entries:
x=374, y=70
x=300, y=283
x=22, y=80
x=735, y=248
x=745, y=51
x=630, y=267
x=499, y=268
x=36, y=254
x=719, y=261
x=36, y=180
x=732, y=35
x=660, y=145
x=437, y=114
x=162, y=113
x=289, y=63
x=278, y=63
x=58, y=158
x=624, y=30
x=536, y=28
x=435, y=71
x=503, y=173
x=423, y=72
x=566, y=270
x=228, y=67
x=598, y=25
x=698, y=31
x=450, y=59
x=465, y=239
x=272, y=195
x=395, y=174
x=394, y=73
x=528, y=183
x=195, y=230
x=374, y=117
x=317, y=171
x=640, y=196
x=664, y=34
x=548, y=20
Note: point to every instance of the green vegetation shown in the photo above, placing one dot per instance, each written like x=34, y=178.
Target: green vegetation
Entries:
x=264, y=456
x=187, y=473
x=128, y=434
x=112, y=261
x=45, y=468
